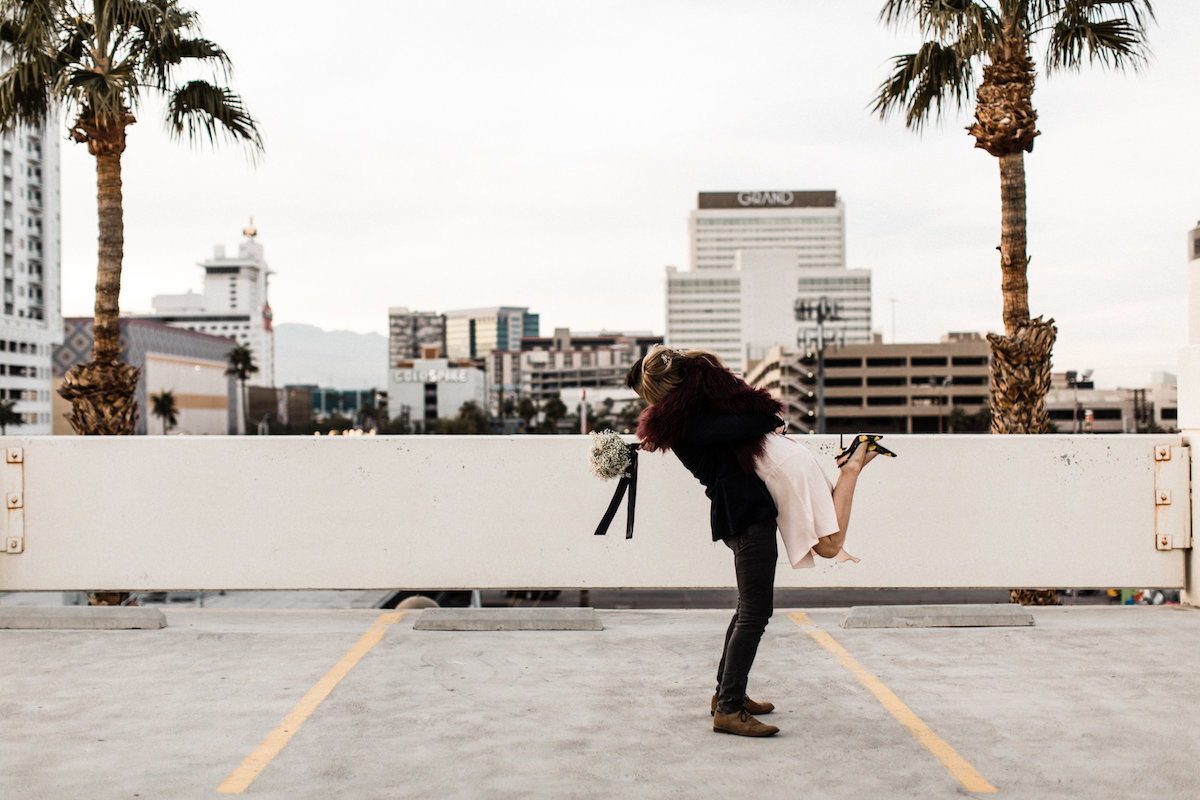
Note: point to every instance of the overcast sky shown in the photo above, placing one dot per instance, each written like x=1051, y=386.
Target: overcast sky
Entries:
x=546, y=153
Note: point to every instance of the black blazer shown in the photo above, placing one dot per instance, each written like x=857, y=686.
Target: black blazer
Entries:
x=739, y=499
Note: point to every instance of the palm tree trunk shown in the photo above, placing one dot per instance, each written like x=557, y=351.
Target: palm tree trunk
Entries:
x=103, y=392
x=112, y=253
x=1014, y=283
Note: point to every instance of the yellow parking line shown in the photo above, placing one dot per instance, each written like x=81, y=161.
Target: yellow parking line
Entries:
x=963, y=772
x=257, y=761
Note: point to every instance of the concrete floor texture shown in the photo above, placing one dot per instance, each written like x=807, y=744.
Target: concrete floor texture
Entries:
x=1089, y=702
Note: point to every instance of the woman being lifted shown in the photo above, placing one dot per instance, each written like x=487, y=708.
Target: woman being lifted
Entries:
x=729, y=436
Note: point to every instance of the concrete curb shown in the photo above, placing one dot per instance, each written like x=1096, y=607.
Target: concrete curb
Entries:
x=508, y=619
x=91, y=618
x=939, y=616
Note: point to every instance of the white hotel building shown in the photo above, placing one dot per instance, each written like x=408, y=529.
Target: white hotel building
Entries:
x=754, y=256
x=234, y=304
x=31, y=323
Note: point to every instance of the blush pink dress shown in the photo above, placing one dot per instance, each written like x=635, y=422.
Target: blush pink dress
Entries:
x=802, y=494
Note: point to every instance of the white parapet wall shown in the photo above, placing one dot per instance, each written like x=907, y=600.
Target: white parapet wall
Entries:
x=163, y=513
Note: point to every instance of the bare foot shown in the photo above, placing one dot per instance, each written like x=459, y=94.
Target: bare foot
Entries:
x=858, y=459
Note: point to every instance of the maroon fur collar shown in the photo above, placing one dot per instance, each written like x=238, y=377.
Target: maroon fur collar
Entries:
x=706, y=389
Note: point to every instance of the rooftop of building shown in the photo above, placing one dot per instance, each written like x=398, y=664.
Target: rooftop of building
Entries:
x=1088, y=702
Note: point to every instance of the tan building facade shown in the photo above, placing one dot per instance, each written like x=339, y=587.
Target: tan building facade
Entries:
x=883, y=388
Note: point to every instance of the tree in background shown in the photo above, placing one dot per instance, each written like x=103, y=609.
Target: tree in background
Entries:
x=99, y=60
x=998, y=35
x=627, y=417
x=242, y=366
x=553, y=410
x=470, y=419
x=9, y=416
x=526, y=410
x=163, y=406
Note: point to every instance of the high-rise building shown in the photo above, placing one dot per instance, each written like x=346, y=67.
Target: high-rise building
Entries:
x=810, y=223
x=412, y=333
x=234, y=304
x=31, y=323
x=476, y=332
x=759, y=262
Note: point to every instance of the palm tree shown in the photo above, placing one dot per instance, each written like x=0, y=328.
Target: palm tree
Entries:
x=99, y=60
x=526, y=410
x=242, y=366
x=999, y=35
x=9, y=416
x=163, y=406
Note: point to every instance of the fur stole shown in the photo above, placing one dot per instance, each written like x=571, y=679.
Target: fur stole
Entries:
x=706, y=389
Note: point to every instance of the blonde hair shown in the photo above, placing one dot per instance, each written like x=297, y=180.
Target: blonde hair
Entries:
x=663, y=368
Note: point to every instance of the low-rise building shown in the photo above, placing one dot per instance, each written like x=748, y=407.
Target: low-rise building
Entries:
x=1075, y=405
x=424, y=390
x=191, y=365
x=546, y=367
x=882, y=388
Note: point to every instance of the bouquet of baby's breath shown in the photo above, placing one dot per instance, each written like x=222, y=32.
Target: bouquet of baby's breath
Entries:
x=610, y=456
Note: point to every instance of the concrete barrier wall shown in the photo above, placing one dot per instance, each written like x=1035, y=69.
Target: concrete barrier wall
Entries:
x=162, y=513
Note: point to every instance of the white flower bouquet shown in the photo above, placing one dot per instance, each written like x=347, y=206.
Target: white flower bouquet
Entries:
x=610, y=455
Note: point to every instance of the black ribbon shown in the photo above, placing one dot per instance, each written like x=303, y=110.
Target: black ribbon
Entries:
x=627, y=482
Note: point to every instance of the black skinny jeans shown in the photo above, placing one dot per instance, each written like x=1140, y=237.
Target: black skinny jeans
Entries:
x=754, y=555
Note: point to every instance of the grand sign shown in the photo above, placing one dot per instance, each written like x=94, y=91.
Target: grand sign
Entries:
x=768, y=199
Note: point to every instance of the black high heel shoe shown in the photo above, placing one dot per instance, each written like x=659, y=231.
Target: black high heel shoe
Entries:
x=871, y=440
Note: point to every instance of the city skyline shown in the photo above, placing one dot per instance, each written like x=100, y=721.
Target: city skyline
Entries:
x=543, y=155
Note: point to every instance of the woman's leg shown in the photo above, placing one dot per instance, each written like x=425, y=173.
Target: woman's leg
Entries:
x=843, y=499
x=755, y=553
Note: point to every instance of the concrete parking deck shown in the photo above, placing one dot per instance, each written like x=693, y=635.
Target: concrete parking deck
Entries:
x=1091, y=702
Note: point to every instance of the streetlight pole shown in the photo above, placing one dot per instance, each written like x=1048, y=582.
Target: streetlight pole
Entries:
x=824, y=310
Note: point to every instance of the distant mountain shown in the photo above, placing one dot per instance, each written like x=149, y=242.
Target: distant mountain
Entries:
x=332, y=359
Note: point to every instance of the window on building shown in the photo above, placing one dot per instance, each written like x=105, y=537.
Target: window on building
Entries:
x=884, y=362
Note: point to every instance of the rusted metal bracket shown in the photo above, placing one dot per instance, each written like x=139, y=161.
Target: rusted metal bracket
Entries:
x=14, y=500
x=1172, y=498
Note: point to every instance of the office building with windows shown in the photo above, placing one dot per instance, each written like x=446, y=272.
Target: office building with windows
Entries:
x=883, y=388
x=234, y=304
x=412, y=333
x=476, y=332
x=31, y=323
x=757, y=262
x=559, y=366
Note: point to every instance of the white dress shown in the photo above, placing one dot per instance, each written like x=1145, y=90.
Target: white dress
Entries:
x=802, y=494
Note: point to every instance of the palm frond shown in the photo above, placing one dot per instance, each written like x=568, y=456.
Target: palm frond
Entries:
x=157, y=59
x=110, y=91
x=199, y=110
x=945, y=20
x=30, y=25
x=922, y=82
x=1082, y=33
x=26, y=95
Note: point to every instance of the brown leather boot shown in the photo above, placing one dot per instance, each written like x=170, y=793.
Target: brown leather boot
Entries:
x=742, y=724
x=751, y=706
